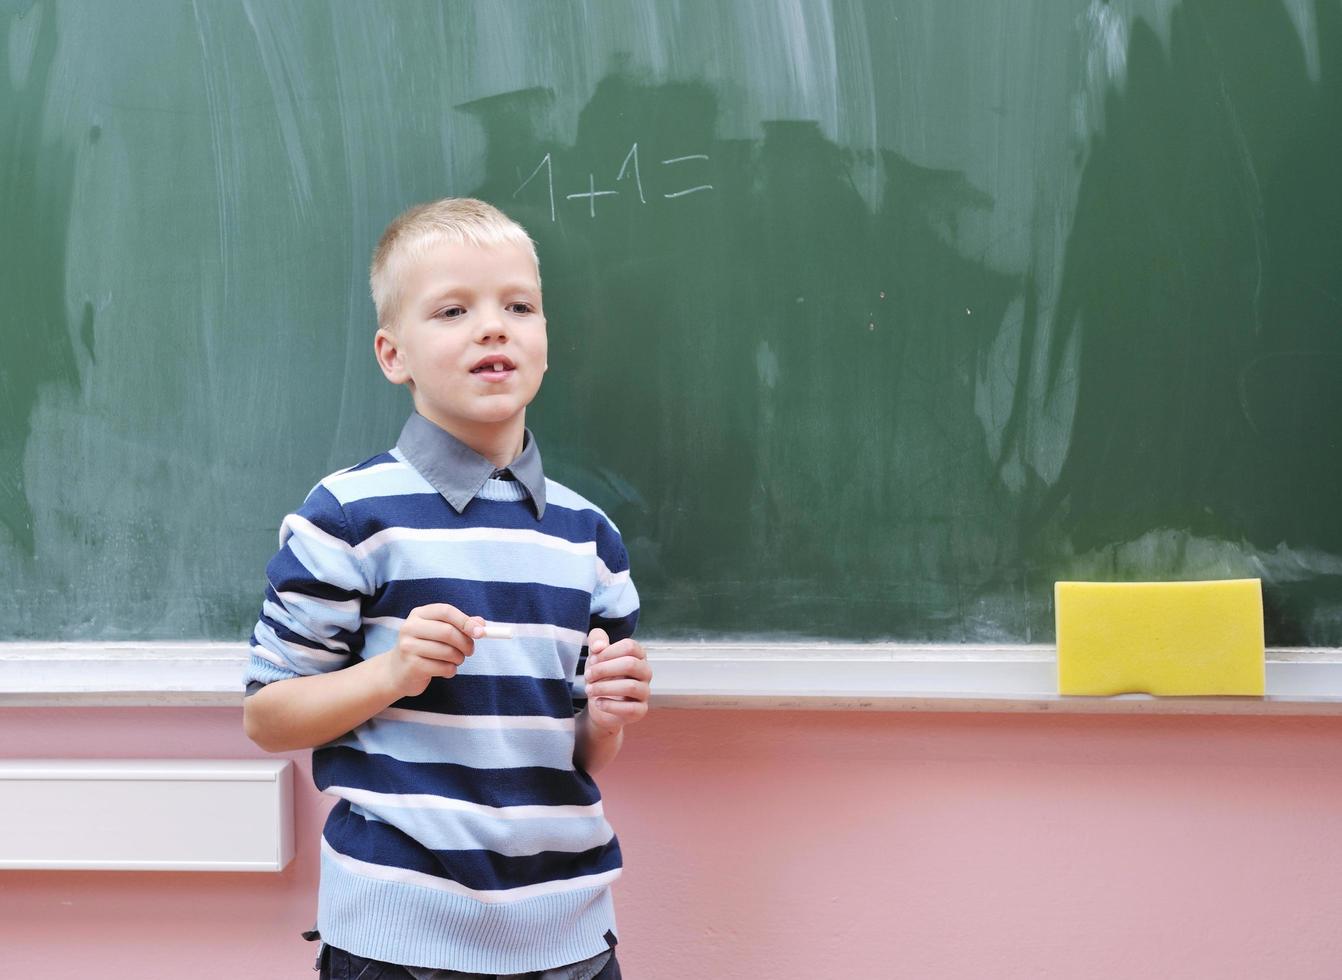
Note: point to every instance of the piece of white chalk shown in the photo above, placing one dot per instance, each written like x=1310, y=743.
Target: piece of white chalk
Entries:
x=496, y=632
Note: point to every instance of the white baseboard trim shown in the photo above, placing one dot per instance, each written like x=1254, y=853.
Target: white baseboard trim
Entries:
x=792, y=675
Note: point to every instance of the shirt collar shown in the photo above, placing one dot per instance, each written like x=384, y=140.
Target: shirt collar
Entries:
x=458, y=472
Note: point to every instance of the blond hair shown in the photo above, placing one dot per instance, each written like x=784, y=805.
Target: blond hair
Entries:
x=460, y=220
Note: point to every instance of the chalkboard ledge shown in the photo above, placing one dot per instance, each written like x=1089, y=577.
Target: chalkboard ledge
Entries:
x=771, y=675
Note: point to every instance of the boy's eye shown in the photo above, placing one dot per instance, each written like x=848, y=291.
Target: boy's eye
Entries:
x=450, y=313
x=520, y=308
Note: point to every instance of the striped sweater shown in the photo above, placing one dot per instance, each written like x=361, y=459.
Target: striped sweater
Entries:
x=464, y=837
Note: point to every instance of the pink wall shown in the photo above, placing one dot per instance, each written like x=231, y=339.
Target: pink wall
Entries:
x=799, y=845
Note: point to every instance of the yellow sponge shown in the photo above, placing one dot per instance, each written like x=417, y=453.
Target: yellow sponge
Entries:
x=1169, y=638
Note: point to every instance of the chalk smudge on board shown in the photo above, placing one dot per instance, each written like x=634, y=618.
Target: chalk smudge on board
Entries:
x=36, y=179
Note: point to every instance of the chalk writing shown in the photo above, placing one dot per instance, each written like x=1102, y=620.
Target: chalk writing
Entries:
x=629, y=169
x=592, y=194
x=550, y=182
x=692, y=190
x=638, y=180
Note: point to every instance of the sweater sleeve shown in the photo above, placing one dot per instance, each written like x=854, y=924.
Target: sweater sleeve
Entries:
x=312, y=616
x=614, y=600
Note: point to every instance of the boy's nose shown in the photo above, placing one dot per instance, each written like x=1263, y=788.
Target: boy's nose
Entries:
x=491, y=329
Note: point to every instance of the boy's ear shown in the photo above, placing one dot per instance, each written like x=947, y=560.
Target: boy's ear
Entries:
x=388, y=355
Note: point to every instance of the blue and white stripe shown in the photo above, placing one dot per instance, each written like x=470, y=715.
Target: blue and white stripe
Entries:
x=463, y=802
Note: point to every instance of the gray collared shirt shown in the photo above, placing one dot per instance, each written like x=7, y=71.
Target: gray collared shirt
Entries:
x=458, y=472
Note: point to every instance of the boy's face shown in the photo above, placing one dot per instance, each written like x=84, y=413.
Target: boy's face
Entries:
x=469, y=339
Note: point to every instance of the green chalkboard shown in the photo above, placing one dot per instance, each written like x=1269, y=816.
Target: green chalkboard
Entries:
x=868, y=319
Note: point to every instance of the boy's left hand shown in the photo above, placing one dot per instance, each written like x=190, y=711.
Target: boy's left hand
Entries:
x=618, y=679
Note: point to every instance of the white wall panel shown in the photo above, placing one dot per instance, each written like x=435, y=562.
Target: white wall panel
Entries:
x=135, y=814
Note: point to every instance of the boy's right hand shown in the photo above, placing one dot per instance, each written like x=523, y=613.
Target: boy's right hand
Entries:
x=434, y=641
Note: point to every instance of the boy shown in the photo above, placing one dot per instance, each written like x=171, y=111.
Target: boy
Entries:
x=468, y=837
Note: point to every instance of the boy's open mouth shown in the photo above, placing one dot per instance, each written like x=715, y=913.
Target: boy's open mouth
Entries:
x=495, y=364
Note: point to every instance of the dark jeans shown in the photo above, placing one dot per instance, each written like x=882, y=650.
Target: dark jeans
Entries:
x=336, y=964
